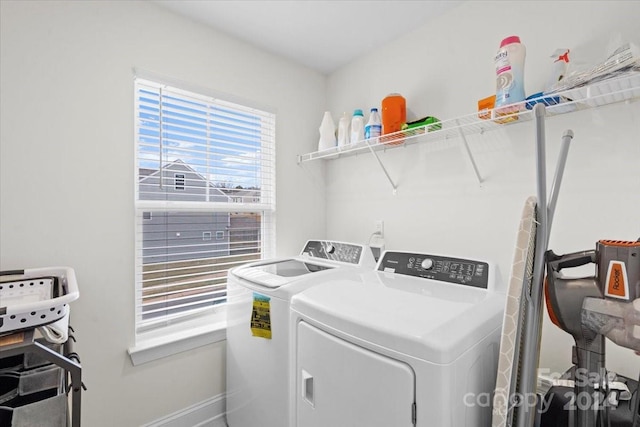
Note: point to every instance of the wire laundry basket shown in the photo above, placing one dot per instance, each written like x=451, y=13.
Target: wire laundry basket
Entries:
x=35, y=297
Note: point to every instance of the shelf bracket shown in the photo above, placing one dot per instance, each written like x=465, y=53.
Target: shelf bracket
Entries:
x=393, y=185
x=468, y=150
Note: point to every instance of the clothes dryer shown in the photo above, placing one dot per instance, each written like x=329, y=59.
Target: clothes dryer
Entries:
x=258, y=345
x=414, y=343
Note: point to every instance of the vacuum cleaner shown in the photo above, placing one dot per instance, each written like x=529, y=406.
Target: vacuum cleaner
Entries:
x=605, y=305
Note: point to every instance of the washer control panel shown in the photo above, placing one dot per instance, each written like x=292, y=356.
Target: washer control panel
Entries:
x=445, y=269
x=334, y=251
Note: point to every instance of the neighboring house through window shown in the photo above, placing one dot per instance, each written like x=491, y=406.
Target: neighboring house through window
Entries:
x=197, y=156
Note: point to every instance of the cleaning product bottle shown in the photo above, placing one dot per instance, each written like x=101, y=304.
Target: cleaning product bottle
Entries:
x=357, y=127
x=394, y=115
x=343, y=131
x=560, y=65
x=327, y=133
x=509, y=78
x=373, y=128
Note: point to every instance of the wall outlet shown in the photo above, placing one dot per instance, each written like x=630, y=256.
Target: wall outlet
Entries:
x=377, y=250
x=380, y=228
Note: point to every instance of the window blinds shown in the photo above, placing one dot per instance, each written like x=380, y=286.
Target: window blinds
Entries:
x=205, y=198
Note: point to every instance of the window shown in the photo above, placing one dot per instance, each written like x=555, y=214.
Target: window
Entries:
x=196, y=155
x=178, y=181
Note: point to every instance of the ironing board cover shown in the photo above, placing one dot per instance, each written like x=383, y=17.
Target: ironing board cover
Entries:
x=514, y=314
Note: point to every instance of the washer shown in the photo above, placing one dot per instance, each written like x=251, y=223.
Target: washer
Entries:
x=414, y=343
x=258, y=345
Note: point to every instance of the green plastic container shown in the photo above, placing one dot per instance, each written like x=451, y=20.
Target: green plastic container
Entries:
x=429, y=120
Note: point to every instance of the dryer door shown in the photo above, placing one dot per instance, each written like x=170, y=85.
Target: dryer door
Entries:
x=340, y=384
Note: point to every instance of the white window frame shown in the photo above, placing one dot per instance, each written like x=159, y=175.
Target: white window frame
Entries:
x=208, y=326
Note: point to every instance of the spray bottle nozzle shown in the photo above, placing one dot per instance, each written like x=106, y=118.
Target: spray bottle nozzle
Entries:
x=564, y=57
x=561, y=55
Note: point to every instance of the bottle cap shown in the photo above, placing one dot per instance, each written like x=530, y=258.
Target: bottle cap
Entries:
x=358, y=112
x=374, y=109
x=509, y=40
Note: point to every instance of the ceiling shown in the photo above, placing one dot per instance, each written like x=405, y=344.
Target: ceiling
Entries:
x=323, y=35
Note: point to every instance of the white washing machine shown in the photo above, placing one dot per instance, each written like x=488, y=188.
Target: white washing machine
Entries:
x=258, y=344
x=414, y=343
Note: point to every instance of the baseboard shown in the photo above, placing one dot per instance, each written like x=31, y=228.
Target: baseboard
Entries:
x=208, y=413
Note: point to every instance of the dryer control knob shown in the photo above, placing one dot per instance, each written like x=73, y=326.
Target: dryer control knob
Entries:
x=427, y=264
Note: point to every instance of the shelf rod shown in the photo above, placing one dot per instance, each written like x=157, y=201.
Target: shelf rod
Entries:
x=534, y=297
x=557, y=179
x=466, y=146
x=395, y=187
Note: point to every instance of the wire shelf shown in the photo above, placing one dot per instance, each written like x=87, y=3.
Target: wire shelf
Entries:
x=613, y=90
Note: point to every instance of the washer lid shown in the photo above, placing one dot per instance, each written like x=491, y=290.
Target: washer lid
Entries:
x=277, y=273
x=426, y=319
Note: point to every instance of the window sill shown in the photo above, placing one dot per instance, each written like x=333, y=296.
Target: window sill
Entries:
x=157, y=344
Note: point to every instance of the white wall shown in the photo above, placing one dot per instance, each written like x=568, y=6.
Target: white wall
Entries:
x=66, y=194
x=442, y=69
x=66, y=157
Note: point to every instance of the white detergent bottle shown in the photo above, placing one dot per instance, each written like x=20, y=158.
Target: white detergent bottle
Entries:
x=509, y=75
x=373, y=128
x=343, y=131
x=357, y=127
x=327, y=133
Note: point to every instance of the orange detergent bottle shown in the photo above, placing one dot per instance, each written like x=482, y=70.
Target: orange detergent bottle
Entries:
x=394, y=115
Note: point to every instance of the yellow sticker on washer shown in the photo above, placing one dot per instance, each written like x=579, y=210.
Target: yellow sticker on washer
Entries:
x=261, y=316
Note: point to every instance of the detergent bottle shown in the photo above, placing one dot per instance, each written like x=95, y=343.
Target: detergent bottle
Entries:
x=394, y=113
x=343, y=131
x=357, y=127
x=509, y=78
x=373, y=128
x=327, y=133
x=394, y=116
